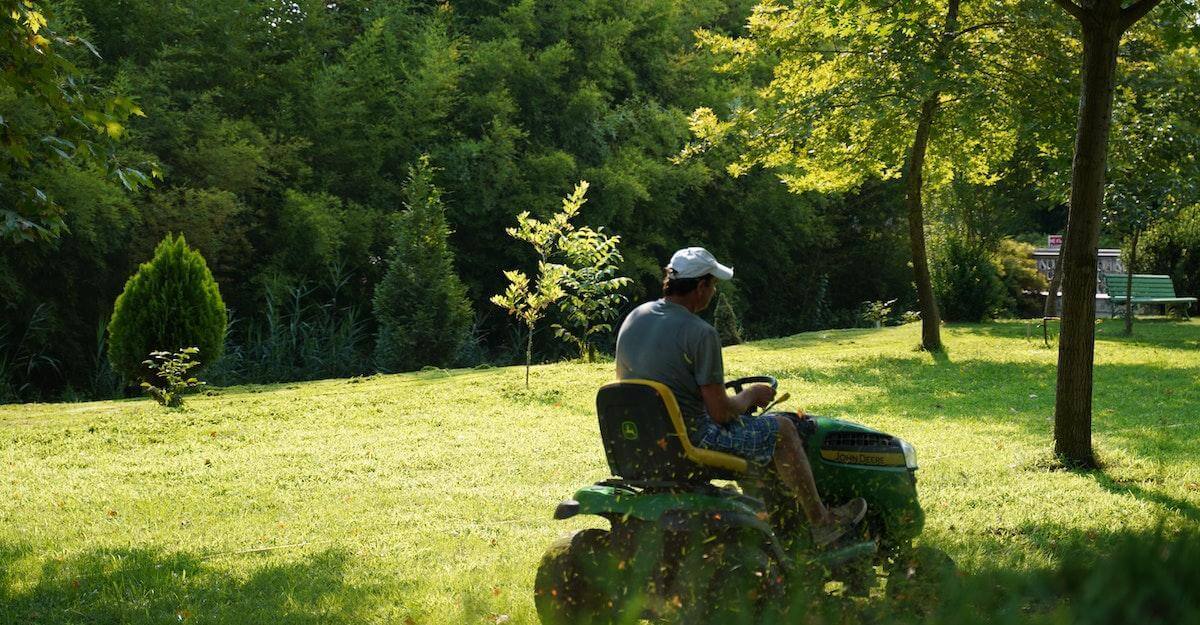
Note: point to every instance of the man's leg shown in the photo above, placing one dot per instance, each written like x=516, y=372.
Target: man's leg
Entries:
x=796, y=473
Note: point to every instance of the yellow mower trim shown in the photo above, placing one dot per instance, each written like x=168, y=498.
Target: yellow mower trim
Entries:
x=705, y=457
x=869, y=458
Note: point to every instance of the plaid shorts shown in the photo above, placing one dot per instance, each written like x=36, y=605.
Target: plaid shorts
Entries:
x=752, y=438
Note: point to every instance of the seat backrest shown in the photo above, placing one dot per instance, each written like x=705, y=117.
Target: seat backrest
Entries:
x=645, y=437
x=1144, y=285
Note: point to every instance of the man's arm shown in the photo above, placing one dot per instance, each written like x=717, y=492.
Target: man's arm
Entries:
x=724, y=408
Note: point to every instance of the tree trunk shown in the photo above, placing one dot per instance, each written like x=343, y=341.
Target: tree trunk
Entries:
x=931, y=318
x=1051, y=308
x=1076, y=347
x=528, y=355
x=1129, y=283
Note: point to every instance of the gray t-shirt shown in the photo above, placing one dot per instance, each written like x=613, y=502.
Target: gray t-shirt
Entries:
x=667, y=343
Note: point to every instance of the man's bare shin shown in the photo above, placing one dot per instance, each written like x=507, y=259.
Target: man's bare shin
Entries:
x=794, y=470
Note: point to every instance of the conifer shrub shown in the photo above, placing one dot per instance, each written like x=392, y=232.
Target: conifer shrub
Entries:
x=421, y=306
x=966, y=281
x=726, y=322
x=1023, y=283
x=171, y=303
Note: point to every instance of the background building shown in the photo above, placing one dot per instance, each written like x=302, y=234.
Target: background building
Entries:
x=1107, y=261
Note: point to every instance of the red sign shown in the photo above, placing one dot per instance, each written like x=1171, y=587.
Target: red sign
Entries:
x=1056, y=240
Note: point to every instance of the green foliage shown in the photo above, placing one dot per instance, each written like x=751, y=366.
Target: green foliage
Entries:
x=966, y=280
x=844, y=86
x=214, y=221
x=50, y=114
x=526, y=299
x=72, y=280
x=224, y=154
x=577, y=267
x=1023, y=283
x=285, y=148
x=877, y=312
x=836, y=96
x=169, y=378
x=1154, y=169
x=310, y=230
x=172, y=302
x=402, y=69
x=1173, y=248
x=591, y=285
x=421, y=306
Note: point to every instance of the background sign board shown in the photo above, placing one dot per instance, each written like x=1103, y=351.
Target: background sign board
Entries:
x=1055, y=240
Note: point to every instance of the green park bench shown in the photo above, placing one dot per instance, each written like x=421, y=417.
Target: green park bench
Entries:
x=1147, y=289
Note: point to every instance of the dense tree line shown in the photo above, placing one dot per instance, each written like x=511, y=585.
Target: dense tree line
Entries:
x=285, y=134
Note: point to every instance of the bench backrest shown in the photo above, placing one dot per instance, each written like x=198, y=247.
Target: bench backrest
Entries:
x=1144, y=285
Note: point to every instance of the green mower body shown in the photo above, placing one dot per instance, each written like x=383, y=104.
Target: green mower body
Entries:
x=848, y=460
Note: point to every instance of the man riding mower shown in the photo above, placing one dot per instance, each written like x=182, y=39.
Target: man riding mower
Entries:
x=681, y=548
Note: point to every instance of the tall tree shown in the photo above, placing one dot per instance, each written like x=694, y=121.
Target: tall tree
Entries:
x=1155, y=171
x=1102, y=25
x=421, y=305
x=879, y=90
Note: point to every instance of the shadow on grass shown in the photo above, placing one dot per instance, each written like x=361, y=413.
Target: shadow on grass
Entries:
x=1122, y=487
x=1112, y=577
x=1157, y=333
x=136, y=586
x=1131, y=395
x=941, y=357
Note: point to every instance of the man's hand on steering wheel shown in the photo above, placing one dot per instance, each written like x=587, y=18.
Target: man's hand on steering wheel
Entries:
x=760, y=395
x=757, y=391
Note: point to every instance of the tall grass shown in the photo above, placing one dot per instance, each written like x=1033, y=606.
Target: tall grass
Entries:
x=306, y=333
x=25, y=356
x=102, y=381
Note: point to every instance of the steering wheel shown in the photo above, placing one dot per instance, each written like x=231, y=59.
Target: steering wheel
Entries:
x=737, y=384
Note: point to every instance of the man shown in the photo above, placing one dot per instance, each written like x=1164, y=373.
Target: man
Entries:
x=666, y=341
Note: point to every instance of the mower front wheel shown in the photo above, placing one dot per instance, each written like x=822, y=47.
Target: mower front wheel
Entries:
x=916, y=575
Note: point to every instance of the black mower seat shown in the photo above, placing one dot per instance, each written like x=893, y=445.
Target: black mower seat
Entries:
x=645, y=437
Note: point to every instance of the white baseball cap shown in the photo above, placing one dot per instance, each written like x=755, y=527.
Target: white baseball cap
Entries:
x=695, y=262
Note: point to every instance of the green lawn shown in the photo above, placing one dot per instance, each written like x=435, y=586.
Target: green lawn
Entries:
x=426, y=498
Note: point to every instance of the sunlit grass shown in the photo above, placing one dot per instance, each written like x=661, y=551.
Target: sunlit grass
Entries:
x=428, y=496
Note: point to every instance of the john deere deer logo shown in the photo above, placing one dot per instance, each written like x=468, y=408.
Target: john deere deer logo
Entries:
x=629, y=430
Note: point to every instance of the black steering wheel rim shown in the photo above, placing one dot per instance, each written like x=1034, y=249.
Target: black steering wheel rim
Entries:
x=740, y=383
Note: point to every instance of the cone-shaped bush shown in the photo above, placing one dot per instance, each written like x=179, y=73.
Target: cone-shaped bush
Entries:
x=421, y=305
x=172, y=302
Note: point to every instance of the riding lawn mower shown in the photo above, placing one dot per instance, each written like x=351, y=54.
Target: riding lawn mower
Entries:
x=681, y=549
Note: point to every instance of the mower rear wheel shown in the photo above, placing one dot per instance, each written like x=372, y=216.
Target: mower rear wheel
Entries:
x=737, y=582
x=573, y=585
